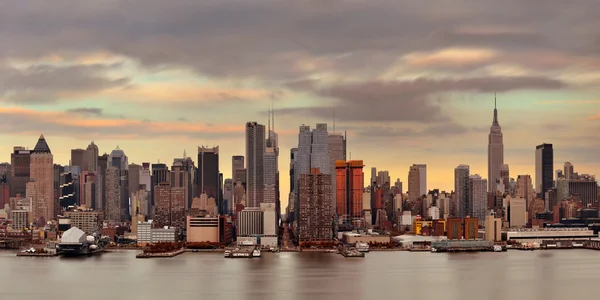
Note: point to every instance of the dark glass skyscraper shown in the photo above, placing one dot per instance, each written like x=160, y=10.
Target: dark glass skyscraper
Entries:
x=544, y=169
x=208, y=173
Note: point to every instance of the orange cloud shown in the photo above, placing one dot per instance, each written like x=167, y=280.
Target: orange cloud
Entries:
x=184, y=92
x=70, y=124
x=450, y=57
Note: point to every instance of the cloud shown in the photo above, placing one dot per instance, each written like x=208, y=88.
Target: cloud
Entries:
x=276, y=39
x=181, y=92
x=86, y=111
x=410, y=100
x=437, y=130
x=27, y=121
x=40, y=84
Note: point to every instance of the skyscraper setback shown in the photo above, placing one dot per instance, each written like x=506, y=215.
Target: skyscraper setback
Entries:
x=495, y=152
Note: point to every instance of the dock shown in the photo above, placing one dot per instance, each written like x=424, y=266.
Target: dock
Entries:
x=462, y=246
x=47, y=254
x=160, y=254
x=351, y=253
x=243, y=252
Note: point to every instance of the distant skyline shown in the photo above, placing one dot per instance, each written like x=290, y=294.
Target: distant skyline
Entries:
x=412, y=83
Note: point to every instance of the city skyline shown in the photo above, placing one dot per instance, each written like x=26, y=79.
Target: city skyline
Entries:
x=410, y=88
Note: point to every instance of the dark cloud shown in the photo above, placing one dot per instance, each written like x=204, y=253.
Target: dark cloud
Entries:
x=271, y=38
x=48, y=83
x=413, y=100
x=86, y=111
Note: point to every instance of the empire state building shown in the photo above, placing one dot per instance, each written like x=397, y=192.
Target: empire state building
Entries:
x=495, y=152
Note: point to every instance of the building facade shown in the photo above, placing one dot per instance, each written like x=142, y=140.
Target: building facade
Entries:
x=315, y=213
x=42, y=173
x=478, y=197
x=350, y=185
x=255, y=166
x=461, y=191
x=544, y=169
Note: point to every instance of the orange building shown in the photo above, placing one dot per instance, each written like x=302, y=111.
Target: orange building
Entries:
x=349, y=189
x=454, y=228
x=471, y=228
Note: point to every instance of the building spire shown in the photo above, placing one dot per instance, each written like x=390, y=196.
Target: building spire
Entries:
x=333, y=118
x=495, y=110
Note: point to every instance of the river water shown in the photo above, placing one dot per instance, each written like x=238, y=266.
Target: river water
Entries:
x=558, y=274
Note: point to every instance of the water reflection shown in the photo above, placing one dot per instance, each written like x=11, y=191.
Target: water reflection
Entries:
x=119, y=275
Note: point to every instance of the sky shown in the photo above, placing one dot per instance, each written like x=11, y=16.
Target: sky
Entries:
x=411, y=81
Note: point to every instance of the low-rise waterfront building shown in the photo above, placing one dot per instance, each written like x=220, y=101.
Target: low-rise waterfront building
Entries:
x=353, y=238
x=148, y=235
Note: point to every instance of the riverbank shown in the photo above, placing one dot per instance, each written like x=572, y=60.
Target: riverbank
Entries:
x=161, y=254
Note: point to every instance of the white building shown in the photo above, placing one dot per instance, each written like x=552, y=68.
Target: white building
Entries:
x=434, y=212
x=148, y=235
x=270, y=225
x=518, y=212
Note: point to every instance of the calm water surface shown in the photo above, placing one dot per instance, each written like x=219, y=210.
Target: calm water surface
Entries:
x=381, y=275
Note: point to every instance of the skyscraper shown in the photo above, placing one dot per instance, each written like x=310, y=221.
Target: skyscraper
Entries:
x=255, y=167
x=20, y=161
x=478, y=197
x=461, y=191
x=417, y=181
x=350, y=185
x=183, y=175
x=271, y=167
x=568, y=170
x=315, y=222
x=319, y=151
x=134, y=171
x=42, y=173
x=495, y=151
x=90, y=158
x=77, y=157
x=238, y=169
x=170, y=206
x=208, y=171
x=525, y=188
x=101, y=179
x=112, y=206
x=118, y=159
x=544, y=169
x=337, y=151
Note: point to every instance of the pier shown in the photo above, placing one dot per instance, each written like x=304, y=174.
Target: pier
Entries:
x=351, y=253
x=462, y=246
x=160, y=254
